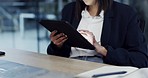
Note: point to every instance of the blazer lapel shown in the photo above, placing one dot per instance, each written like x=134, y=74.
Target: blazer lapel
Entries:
x=75, y=22
x=108, y=16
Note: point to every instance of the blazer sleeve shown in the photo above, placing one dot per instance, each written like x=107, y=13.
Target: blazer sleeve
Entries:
x=52, y=49
x=134, y=52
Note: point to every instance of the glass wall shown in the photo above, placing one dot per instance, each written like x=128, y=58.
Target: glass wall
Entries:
x=19, y=27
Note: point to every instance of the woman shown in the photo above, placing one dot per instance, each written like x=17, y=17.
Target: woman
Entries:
x=110, y=26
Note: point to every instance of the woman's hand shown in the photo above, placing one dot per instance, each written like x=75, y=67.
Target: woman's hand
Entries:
x=58, y=39
x=91, y=38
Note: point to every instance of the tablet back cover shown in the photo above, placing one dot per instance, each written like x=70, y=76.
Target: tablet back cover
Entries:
x=75, y=39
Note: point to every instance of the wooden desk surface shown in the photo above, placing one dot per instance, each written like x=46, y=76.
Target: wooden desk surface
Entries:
x=51, y=63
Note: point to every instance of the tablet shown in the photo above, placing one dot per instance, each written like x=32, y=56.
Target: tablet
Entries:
x=75, y=39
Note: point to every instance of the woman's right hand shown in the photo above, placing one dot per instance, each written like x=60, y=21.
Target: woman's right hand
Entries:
x=58, y=39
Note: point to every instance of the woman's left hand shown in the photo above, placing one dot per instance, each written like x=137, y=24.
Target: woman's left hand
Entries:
x=91, y=38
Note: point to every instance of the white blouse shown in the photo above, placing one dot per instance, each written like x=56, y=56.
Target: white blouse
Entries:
x=93, y=24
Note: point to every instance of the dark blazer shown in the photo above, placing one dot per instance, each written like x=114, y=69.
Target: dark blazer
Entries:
x=121, y=36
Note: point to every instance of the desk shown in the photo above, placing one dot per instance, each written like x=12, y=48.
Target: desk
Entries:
x=51, y=63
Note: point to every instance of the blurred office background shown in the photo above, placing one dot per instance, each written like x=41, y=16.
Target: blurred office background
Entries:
x=19, y=27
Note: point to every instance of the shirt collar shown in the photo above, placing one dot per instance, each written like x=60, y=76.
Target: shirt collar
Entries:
x=86, y=14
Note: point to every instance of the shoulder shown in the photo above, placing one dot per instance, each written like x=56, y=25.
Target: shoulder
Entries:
x=69, y=6
x=123, y=9
x=68, y=12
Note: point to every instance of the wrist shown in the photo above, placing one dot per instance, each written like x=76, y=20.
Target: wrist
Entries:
x=104, y=51
x=100, y=49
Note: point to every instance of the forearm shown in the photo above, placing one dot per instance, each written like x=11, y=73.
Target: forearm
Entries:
x=100, y=49
x=124, y=57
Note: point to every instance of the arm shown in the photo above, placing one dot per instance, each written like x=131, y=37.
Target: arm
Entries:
x=65, y=49
x=134, y=51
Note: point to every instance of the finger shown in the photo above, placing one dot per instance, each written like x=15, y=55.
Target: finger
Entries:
x=99, y=42
x=83, y=30
x=82, y=33
x=87, y=33
x=57, y=36
x=53, y=33
x=60, y=40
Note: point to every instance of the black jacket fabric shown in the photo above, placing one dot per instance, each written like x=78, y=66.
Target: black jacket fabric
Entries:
x=121, y=36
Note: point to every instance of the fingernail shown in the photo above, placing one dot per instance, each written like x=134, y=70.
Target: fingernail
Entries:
x=63, y=34
x=55, y=30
